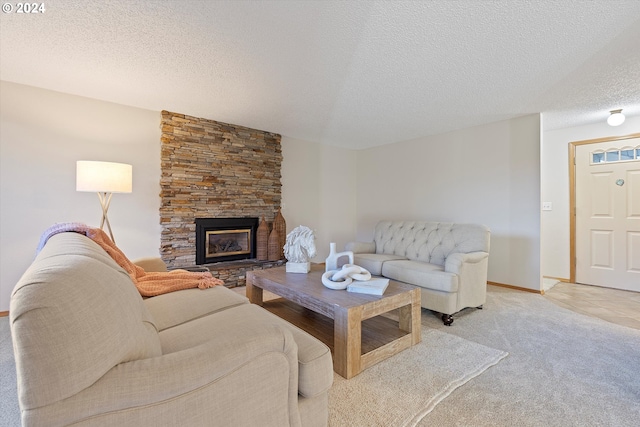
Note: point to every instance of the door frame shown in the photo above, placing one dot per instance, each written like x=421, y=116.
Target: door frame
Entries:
x=572, y=194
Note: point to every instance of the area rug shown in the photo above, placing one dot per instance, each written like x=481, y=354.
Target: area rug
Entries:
x=401, y=390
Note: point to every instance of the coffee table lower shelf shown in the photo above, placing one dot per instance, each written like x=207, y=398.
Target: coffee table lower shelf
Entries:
x=376, y=332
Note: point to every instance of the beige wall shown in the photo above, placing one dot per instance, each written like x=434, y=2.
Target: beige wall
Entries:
x=42, y=135
x=318, y=187
x=487, y=174
x=555, y=189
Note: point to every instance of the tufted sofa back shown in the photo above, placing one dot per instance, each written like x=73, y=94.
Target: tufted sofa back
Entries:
x=430, y=242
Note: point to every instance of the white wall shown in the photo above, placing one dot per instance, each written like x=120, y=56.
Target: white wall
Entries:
x=487, y=174
x=318, y=187
x=42, y=134
x=555, y=189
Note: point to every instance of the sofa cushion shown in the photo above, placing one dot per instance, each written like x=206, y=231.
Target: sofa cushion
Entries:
x=421, y=274
x=315, y=365
x=176, y=308
x=373, y=262
x=75, y=314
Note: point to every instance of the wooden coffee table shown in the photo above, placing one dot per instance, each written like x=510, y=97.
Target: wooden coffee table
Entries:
x=316, y=309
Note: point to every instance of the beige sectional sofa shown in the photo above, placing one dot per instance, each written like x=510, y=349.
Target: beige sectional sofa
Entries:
x=447, y=261
x=90, y=351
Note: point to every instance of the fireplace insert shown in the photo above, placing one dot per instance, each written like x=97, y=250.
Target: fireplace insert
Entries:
x=225, y=239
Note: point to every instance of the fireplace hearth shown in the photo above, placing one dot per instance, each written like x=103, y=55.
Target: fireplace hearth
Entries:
x=225, y=239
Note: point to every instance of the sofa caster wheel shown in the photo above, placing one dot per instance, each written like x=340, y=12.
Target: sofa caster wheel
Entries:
x=447, y=319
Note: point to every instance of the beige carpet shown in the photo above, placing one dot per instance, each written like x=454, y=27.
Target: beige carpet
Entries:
x=401, y=390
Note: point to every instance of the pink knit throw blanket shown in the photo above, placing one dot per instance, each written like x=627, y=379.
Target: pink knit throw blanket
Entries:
x=148, y=283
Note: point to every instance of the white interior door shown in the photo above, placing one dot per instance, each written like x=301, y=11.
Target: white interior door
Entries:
x=608, y=214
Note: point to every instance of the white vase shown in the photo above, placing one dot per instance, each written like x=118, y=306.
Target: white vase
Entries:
x=331, y=263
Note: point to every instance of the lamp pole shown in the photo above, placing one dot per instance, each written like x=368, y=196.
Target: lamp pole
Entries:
x=105, y=201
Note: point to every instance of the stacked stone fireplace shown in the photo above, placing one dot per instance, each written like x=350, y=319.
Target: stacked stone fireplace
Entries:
x=216, y=172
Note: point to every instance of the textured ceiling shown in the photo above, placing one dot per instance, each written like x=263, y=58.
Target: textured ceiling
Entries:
x=347, y=73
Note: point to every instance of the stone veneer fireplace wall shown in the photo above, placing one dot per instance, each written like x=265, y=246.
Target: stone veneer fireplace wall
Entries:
x=213, y=170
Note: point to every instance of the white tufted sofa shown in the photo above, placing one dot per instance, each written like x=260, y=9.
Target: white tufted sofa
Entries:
x=447, y=261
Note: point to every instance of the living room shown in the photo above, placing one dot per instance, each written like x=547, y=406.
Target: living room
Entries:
x=503, y=170
x=495, y=169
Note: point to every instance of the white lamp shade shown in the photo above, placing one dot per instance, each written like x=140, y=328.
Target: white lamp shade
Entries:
x=616, y=118
x=104, y=177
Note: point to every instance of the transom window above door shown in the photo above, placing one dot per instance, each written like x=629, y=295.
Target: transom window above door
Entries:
x=624, y=154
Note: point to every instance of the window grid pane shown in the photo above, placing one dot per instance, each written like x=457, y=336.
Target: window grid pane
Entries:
x=626, y=155
x=597, y=158
x=613, y=156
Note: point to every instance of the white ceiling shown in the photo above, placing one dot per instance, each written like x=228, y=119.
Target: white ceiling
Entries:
x=346, y=73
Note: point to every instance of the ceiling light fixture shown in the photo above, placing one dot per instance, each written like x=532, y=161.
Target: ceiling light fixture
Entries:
x=616, y=118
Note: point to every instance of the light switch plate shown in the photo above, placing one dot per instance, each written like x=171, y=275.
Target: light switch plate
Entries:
x=547, y=206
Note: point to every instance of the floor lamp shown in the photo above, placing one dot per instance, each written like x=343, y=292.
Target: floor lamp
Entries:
x=104, y=178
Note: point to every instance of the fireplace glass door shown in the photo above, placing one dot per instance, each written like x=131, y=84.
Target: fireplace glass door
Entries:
x=223, y=243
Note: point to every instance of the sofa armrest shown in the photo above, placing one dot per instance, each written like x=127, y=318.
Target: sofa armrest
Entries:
x=156, y=264
x=216, y=377
x=151, y=264
x=471, y=269
x=455, y=262
x=361, y=247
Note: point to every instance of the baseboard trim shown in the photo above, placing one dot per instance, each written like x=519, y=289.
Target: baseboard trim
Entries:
x=4, y=313
x=517, y=288
x=559, y=279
